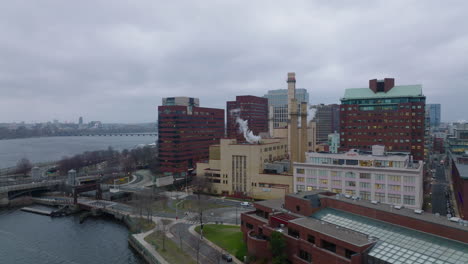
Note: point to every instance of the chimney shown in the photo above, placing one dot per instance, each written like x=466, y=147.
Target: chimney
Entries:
x=389, y=83
x=304, y=142
x=293, y=135
x=373, y=85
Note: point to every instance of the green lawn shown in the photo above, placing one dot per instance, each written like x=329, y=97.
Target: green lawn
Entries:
x=172, y=254
x=141, y=225
x=227, y=237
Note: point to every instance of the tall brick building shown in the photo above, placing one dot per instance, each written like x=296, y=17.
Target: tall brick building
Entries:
x=185, y=133
x=384, y=114
x=251, y=108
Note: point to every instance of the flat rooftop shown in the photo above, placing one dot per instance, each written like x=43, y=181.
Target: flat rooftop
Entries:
x=395, y=92
x=330, y=229
x=397, y=244
x=462, y=168
x=432, y=218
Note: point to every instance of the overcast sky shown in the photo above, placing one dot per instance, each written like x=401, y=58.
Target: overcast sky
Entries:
x=114, y=60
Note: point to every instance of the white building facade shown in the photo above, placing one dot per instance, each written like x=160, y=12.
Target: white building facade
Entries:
x=390, y=179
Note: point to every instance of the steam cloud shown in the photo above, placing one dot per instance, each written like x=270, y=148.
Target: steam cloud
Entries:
x=244, y=128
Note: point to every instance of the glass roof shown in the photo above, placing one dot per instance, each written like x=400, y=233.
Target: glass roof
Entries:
x=399, y=244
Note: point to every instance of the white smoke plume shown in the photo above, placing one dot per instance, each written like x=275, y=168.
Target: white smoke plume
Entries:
x=248, y=134
x=244, y=127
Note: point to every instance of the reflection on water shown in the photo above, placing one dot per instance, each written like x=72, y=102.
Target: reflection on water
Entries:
x=30, y=238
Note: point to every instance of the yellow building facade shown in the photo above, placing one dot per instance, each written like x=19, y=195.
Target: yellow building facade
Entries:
x=240, y=169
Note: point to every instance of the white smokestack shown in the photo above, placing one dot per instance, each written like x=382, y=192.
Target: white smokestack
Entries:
x=244, y=127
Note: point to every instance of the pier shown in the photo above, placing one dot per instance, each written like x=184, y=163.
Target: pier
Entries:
x=36, y=211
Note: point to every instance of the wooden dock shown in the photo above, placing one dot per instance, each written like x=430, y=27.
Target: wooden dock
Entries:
x=36, y=211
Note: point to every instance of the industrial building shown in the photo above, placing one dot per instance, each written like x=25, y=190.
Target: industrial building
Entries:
x=388, y=179
x=185, y=133
x=259, y=171
x=253, y=109
x=323, y=227
x=385, y=114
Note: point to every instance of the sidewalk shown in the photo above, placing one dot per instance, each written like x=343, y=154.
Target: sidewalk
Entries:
x=141, y=238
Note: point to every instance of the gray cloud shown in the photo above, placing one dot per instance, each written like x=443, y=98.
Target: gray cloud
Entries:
x=114, y=60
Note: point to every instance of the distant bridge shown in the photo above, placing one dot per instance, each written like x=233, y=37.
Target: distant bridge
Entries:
x=102, y=134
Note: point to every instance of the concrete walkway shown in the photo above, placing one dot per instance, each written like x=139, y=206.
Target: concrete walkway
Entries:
x=141, y=238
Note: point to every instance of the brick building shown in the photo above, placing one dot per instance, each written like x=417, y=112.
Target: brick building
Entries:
x=322, y=227
x=185, y=133
x=251, y=108
x=384, y=114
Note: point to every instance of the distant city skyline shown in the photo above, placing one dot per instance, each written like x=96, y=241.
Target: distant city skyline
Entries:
x=114, y=63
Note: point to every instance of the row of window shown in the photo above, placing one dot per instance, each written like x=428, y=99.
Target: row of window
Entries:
x=366, y=195
x=352, y=175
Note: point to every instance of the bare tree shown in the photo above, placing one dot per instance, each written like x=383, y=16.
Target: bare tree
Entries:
x=23, y=166
x=162, y=230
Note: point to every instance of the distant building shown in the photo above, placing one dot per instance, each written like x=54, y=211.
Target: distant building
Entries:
x=259, y=171
x=185, y=133
x=278, y=104
x=322, y=227
x=251, y=108
x=334, y=142
x=327, y=118
x=457, y=141
x=384, y=114
x=389, y=179
x=434, y=114
x=80, y=121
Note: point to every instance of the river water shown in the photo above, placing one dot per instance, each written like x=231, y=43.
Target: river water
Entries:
x=27, y=238
x=54, y=148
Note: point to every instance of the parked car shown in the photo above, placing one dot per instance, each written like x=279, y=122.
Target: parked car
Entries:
x=226, y=257
x=245, y=204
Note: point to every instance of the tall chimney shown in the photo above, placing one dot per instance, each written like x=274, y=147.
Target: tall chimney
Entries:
x=293, y=136
x=304, y=142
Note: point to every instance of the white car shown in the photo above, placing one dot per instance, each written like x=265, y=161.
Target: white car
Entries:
x=245, y=204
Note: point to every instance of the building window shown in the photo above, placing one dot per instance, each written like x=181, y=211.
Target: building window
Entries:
x=300, y=171
x=311, y=239
x=380, y=177
x=409, y=179
x=298, y=208
x=293, y=232
x=336, y=182
x=394, y=178
x=350, y=192
x=350, y=184
x=322, y=173
x=410, y=189
x=312, y=181
x=364, y=175
x=305, y=255
x=365, y=185
x=380, y=197
x=329, y=246
x=300, y=188
x=365, y=195
x=335, y=173
x=394, y=198
x=379, y=186
x=248, y=225
x=300, y=179
x=395, y=188
x=324, y=182
x=350, y=174
x=409, y=200
x=349, y=253
x=311, y=172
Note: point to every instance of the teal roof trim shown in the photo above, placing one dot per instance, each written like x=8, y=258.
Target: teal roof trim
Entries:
x=397, y=91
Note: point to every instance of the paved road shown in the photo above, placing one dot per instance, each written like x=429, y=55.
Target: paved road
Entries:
x=439, y=188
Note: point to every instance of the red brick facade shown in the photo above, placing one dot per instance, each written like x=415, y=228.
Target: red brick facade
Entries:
x=251, y=108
